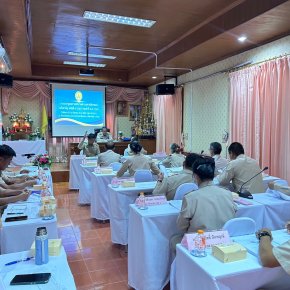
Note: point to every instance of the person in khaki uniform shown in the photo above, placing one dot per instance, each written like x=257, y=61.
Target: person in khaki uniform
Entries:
x=273, y=256
x=282, y=188
x=104, y=135
x=175, y=159
x=207, y=208
x=137, y=161
x=240, y=169
x=91, y=148
x=108, y=157
x=169, y=185
x=215, y=149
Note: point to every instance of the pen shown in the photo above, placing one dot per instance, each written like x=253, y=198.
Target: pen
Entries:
x=18, y=261
x=8, y=213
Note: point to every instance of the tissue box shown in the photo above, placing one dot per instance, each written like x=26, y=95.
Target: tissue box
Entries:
x=54, y=247
x=229, y=253
x=128, y=183
x=48, y=200
x=106, y=170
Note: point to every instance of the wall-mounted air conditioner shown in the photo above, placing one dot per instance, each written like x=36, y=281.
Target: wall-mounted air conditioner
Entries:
x=5, y=64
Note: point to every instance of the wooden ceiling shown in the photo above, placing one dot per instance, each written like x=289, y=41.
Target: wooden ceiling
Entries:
x=188, y=34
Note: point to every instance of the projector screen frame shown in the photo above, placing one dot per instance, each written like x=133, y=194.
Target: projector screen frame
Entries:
x=90, y=130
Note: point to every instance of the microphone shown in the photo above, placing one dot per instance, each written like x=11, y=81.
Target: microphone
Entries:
x=246, y=193
x=28, y=155
x=201, y=152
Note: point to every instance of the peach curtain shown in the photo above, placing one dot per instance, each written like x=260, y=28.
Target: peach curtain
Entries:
x=260, y=113
x=168, y=116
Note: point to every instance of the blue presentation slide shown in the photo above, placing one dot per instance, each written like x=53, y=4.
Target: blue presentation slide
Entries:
x=79, y=107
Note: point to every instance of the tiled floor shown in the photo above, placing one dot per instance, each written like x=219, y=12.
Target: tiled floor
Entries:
x=95, y=262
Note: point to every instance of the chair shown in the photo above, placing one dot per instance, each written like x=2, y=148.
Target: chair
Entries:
x=163, y=170
x=183, y=189
x=115, y=166
x=143, y=175
x=240, y=226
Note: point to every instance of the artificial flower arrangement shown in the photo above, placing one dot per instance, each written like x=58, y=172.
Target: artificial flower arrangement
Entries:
x=42, y=160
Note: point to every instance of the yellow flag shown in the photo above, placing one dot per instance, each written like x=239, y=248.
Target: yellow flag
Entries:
x=44, y=121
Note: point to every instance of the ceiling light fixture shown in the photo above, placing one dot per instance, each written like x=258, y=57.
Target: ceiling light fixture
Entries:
x=92, y=55
x=242, y=38
x=154, y=77
x=118, y=19
x=84, y=63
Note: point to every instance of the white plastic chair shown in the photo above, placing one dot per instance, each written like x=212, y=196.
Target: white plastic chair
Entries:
x=240, y=226
x=183, y=189
x=115, y=166
x=143, y=175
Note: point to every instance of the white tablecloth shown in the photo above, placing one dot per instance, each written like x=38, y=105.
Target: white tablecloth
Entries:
x=277, y=210
x=209, y=273
x=61, y=276
x=25, y=147
x=120, y=199
x=100, y=196
x=75, y=172
x=160, y=222
x=86, y=188
x=19, y=236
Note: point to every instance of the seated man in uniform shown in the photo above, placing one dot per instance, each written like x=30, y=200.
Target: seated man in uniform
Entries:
x=104, y=135
x=108, y=157
x=240, y=169
x=282, y=188
x=90, y=148
x=9, y=195
x=273, y=256
x=169, y=185
x=215, y=149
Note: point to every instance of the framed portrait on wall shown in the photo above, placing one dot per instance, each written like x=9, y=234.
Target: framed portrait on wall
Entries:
x=122, y=108
x=134, y=112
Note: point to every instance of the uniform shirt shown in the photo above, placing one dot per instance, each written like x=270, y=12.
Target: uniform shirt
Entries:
x=169, y=185
x=89, y=150
x=129, y=152
x=282, y=254
x=220, y=163
x=207, y=208
x=282, y=188
x=102, y=137
x=138, y=161
x=241, y=170
x=108, y=157
x=174, y=160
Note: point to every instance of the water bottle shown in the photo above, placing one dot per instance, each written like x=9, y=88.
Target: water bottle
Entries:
x=115, y=182
x=41, y=246
x=200, y=245
x=142, y=201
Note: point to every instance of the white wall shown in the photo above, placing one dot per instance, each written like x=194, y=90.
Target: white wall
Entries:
x=206, y=102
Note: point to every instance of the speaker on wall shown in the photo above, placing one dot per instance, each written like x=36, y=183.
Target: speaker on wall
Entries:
x=6, y=80
x=165, y=89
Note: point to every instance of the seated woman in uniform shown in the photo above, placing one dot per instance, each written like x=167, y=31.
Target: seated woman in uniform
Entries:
x=207, y=208
x=175, y=159
x=137, y=161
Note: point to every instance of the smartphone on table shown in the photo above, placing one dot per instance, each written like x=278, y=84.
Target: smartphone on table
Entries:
x=29, y=279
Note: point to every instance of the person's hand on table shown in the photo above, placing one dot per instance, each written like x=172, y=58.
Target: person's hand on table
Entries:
x=30, y=182
x=160, y=177
x=24, y=195
x=264, y=230
x=24, y=171
x=271, y=184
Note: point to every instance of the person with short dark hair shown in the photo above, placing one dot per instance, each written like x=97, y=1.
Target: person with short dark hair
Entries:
x=240, y=169
x=89, y=148
x=273, y=256
x=207, y=208
x=128, y=151
x=108, y=157
x=137, y=161
x=175, y=159
x=104, y=135
x=9, y=195
x=215, y=149
x=169, y=185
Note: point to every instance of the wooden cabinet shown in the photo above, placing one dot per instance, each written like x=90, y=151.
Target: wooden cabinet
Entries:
x=148, y=144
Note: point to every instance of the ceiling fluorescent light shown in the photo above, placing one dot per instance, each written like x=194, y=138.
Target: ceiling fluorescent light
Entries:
x=84, y=63
x=118, y=19
x=91, y=55
x=242, y=38
x=5, y=64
